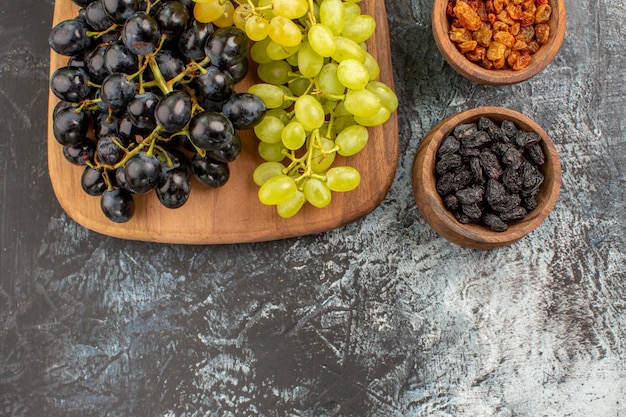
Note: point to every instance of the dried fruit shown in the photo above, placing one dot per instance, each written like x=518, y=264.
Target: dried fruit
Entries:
x=488, y=173
x=499, y=33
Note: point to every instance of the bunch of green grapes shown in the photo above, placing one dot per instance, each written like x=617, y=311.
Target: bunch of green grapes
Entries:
x=320, y=86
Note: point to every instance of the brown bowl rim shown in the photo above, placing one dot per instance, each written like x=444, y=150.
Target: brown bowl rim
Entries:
x=476, y=73
x=473, y=235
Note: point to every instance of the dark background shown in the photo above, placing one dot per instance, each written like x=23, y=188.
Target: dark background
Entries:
x=379, y=318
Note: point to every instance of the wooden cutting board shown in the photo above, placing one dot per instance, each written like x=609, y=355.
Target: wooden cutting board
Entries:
x=233, y=214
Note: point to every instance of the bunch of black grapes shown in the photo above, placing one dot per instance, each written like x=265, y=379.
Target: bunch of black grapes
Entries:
x=147, y=100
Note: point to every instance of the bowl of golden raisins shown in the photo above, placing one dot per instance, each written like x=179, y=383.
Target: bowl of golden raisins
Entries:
x=499, y=42
x=486, y=177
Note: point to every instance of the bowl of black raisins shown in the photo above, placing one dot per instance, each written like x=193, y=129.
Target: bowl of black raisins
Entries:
x=486, y=177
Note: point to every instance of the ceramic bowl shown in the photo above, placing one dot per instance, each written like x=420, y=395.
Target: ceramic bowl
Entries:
x=540, y=60
x=471, y=235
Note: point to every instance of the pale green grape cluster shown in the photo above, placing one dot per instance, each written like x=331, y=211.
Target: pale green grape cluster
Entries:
x=320, y=85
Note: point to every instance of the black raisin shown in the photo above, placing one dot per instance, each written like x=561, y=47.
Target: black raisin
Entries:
x=508, y=203
x=513, y=157
x=535, y=153
x=476, y=140
x=494, y=192
x=516, y=213
x=490, y=164
x=445, y=184
x=451, y=202
x=462, y=178
x=470, y=195
x=509, y=129
x=448, y=145
x=448, y=162
x=494, y=222
x=530, y=203
x=464, y=130
x=477, y=171
x=512, y=179
x=472, y=211
x=523, y=139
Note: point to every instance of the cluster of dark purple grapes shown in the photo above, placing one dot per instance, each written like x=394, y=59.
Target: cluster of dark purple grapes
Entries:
x=147, y=100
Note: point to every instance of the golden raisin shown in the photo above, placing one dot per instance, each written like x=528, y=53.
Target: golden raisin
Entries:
x=499, y=5
x=519, y=45
x=515, y=28
x=467, y=16
x=459, y=35
x=542, y=33
x=514, y=11
x=483, y=35
x=477, y=54
x=504, y=38
x=467, y=46
x=512, y=58
x=521, y=62
x=503, y=16
x=543, y=13
x=497, y=26
x=496, y=51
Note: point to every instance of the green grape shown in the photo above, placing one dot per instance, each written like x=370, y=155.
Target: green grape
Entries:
x=327, y=132
x=258, y=51
x=362, y=103
x=353, y=74
x=280, y=114
x=340, y=110
x=286, y=93
x=351, y=10
x=317, y=192
x=309, y=112
x=299, y=86
x=265, y=171
x=277, y=52
x=293, y=59
x=242, y=12
x=328, y=80
x=284, y=31
x=359, y=28
x=386, y=95
x=343, y=122
x=343, y=178
x=347, y=49
x=276, y=190
x=271, y=152
x=309, y=62
x=332, y=15
x=275, y=72
x=371, y=65
x=208, y=11
x=292, y=206
x=268, y=14
x=293, y=136
x=257, y=28
x=272, y=95
x=291, y=9
x=269, y=130
x=321, y=160
x=352, y=140
x=322, y=40
x=379, y=118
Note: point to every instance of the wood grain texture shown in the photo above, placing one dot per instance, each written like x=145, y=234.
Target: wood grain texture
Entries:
x=474, y=72
x=476, y=236
x=233, y=213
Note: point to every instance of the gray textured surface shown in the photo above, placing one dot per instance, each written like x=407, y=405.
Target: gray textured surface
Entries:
x=380, y=318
